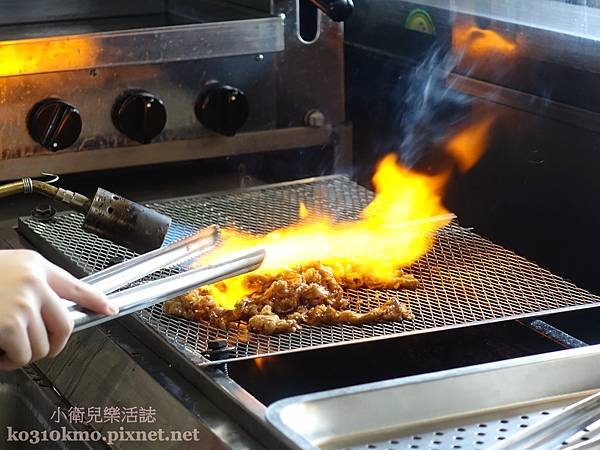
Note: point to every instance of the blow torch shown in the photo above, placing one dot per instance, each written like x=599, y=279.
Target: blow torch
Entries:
x=107, y=215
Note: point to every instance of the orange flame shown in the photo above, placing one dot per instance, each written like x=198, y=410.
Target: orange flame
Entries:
x=393, y=231
x=303, y=213
x=468, y=145
x=42, y=55
x=479, y=42
x=260, y=363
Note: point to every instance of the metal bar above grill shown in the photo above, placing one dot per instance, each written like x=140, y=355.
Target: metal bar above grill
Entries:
x=464, y=280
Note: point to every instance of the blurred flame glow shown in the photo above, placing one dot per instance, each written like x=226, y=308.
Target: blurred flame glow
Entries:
x=468, y=145
x=42, y=55
x=479, y=42
x=393, y=231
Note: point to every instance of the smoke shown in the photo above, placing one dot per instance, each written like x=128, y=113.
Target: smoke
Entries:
x=431, y=109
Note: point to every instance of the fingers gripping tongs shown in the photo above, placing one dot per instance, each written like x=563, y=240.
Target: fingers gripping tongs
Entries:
x=144, y=295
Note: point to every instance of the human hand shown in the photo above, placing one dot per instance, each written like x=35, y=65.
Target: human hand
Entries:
x=34, y=322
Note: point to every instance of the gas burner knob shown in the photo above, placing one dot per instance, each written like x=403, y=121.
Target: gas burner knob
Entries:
x=139, y=115
x=223, y=109
x=54, y=123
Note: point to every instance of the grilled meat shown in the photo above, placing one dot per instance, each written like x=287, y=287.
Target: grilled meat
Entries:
x=350, y=278
x=281, y=303
x=266, y=322
x=390, y=311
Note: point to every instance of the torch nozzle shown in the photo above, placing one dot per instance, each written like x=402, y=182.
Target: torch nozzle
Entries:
x=107, y=215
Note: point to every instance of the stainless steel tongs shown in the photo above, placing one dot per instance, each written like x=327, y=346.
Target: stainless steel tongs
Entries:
x=558, y=429
x=139, y=297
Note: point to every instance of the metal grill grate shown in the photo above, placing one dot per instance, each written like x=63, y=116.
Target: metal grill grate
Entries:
x=464, y=279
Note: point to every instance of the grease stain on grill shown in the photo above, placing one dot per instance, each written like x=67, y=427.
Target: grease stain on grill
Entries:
x=463, y=279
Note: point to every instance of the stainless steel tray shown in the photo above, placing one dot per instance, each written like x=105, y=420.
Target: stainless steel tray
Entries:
x=467, y=408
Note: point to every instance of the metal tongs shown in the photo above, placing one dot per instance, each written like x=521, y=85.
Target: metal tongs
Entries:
x=139, y=297
x=561, y=430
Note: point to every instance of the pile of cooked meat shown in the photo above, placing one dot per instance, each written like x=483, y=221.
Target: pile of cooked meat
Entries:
x=281, y=303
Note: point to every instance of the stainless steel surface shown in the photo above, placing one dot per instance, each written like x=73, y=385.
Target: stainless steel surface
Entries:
x=126, y=272
x=464, y=279
x=15, y=11
x=592, y=443
x=200, y=148
x=558, y=428
x=123, y=370
x=470, y=408
x=120, y=275
x=75, y=200
x=27, y=405
x=320, y=66
x=94, y=92
x=144, y=46
x=157, y=291
x=173, y=53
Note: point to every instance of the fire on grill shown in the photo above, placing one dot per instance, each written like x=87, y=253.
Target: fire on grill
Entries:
x=309, y=264
x=280, y=302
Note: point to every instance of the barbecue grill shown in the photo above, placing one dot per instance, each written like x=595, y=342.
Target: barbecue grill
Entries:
x=465, y=279
x=236, y=113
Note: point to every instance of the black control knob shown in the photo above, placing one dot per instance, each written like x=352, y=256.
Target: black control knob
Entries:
x=54, y=123
x=337, y=10
x=223, y=109
x=139, y=115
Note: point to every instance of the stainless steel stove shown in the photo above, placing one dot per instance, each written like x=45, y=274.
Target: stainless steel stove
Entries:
x=156, y=95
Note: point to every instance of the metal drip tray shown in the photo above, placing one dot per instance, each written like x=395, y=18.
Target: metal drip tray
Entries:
x=469, y=408
x=465, y=279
